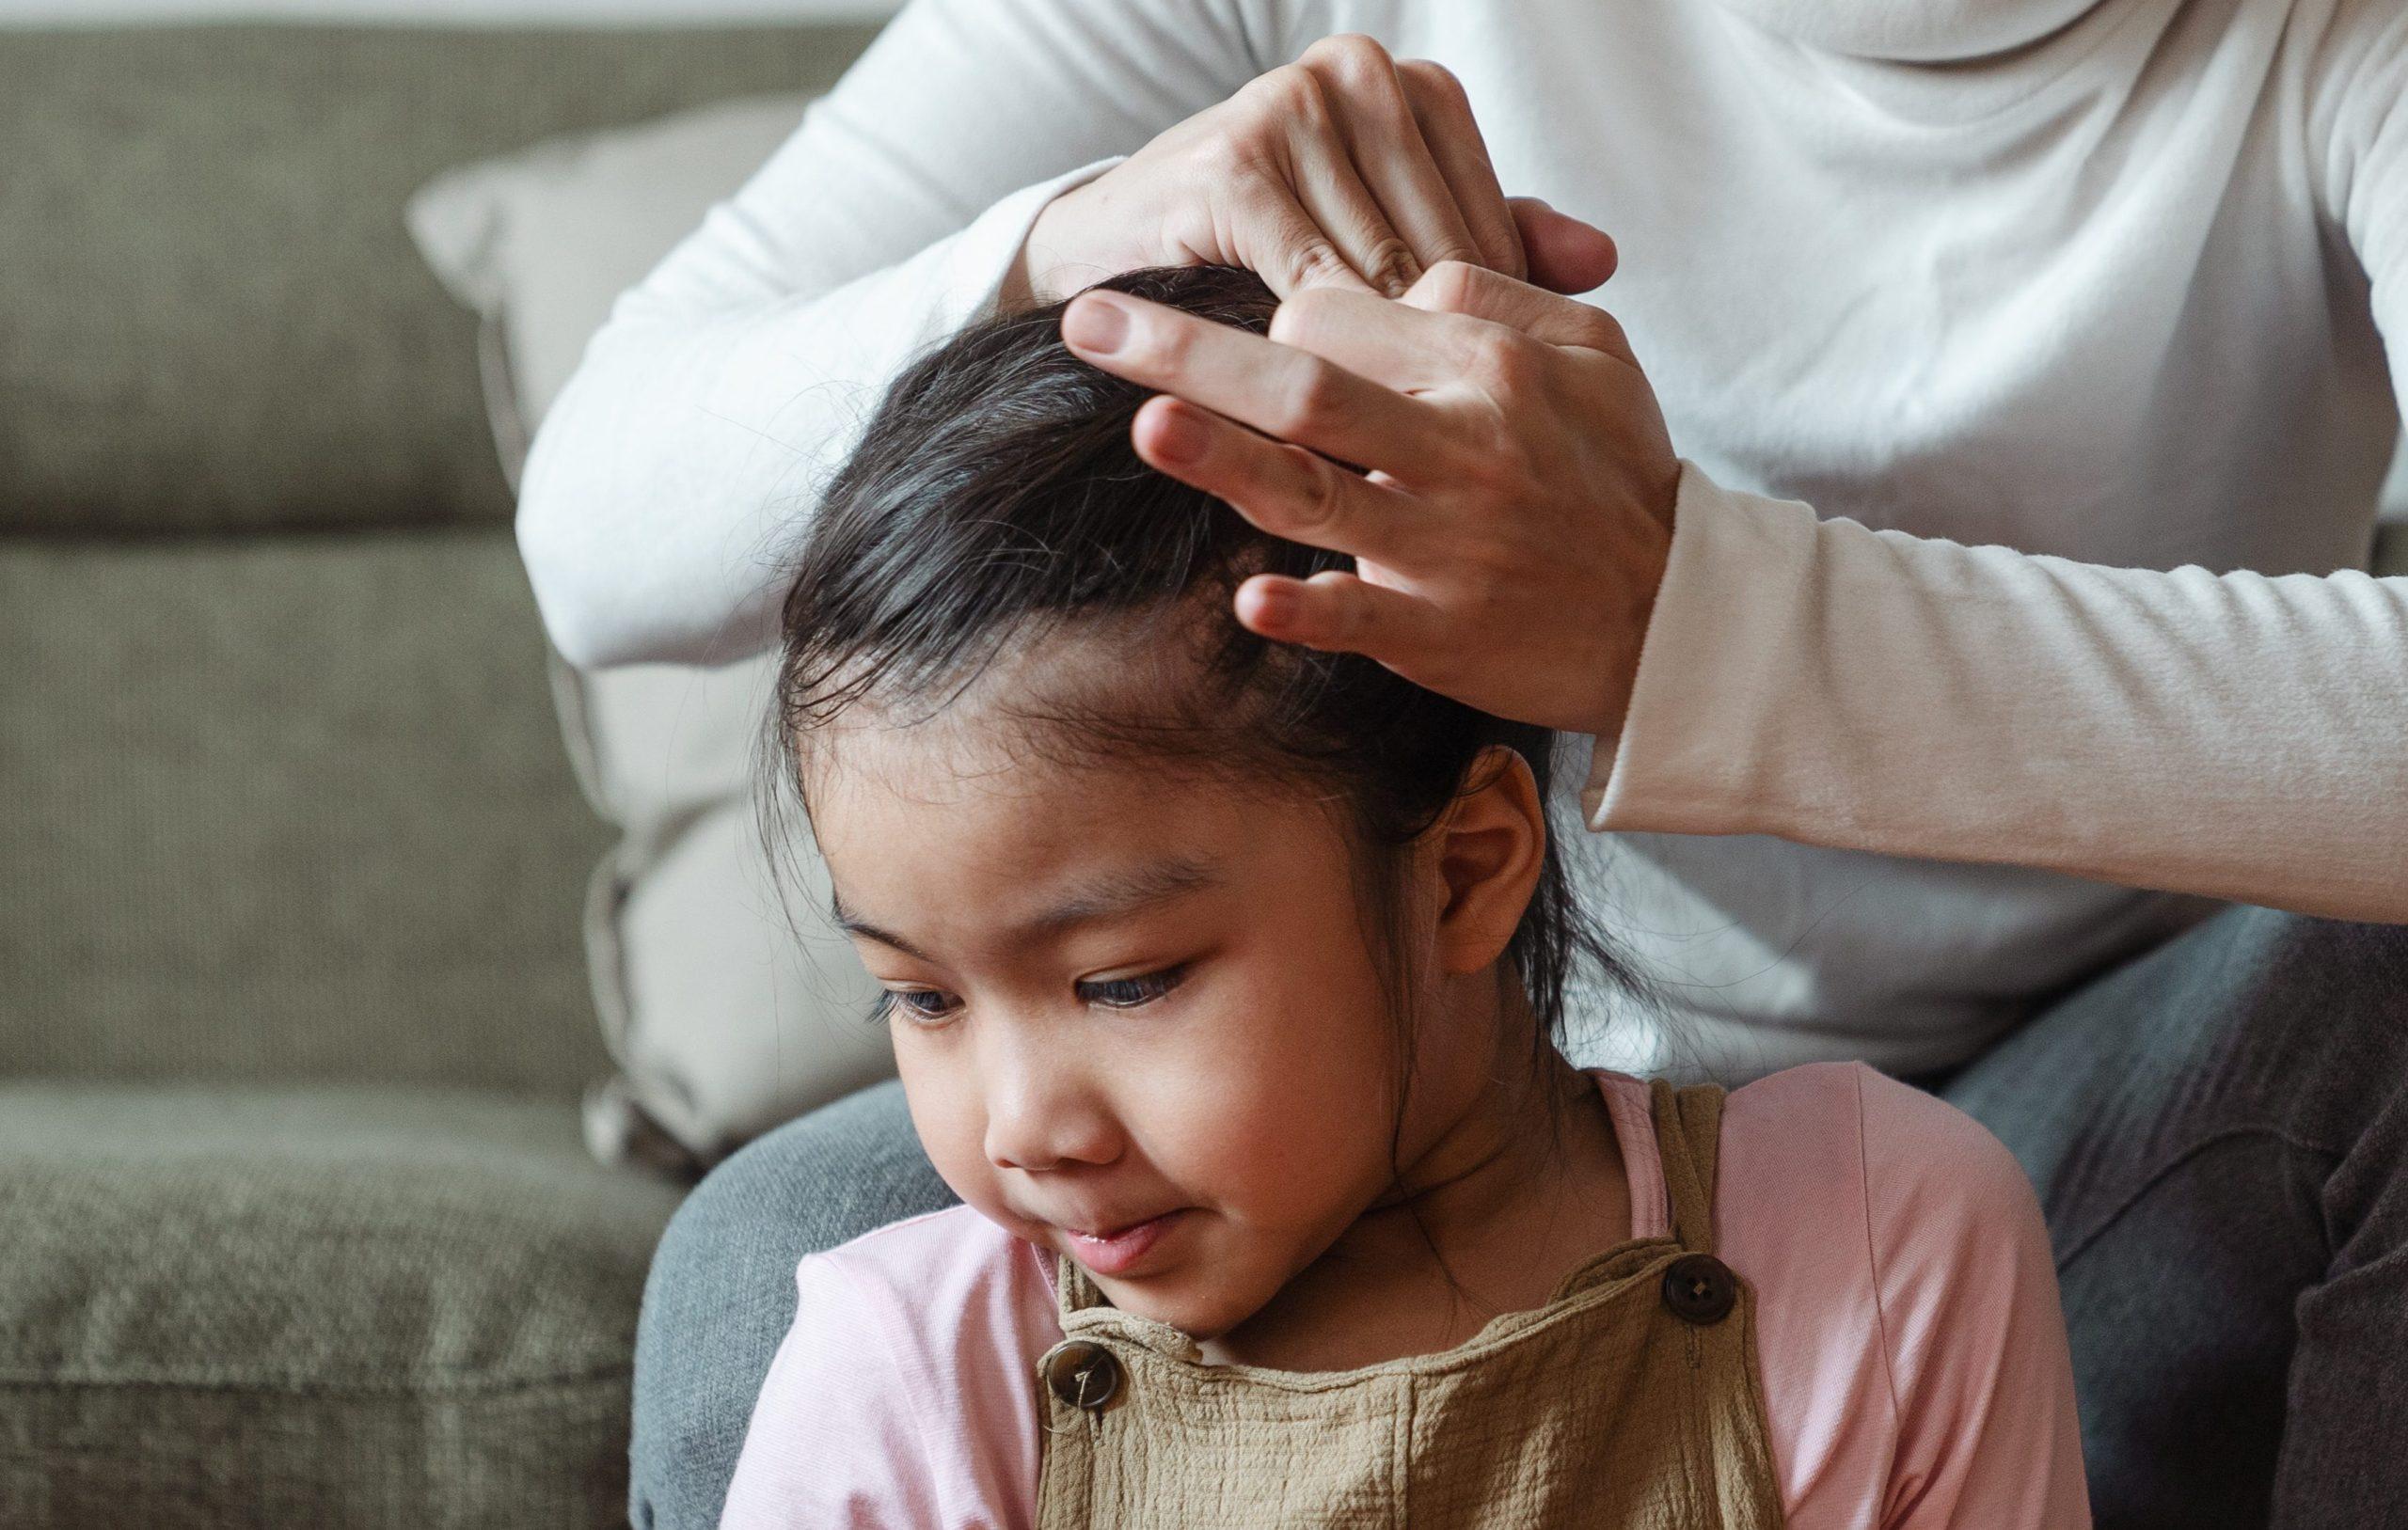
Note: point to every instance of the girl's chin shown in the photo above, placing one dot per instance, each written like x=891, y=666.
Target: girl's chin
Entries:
x=1202, y=1314
x=1197, y=1323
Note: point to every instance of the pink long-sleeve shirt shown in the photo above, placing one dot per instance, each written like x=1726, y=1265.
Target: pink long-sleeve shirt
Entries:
x=1915, y=1366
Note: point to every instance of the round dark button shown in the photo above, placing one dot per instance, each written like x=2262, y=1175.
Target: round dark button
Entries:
x=1082, y=1374
x=1700, y=1288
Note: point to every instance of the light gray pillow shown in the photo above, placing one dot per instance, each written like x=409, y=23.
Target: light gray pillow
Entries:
x=726, y=1011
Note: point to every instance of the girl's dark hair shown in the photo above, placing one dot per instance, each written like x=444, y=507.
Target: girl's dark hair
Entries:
x=994, y=497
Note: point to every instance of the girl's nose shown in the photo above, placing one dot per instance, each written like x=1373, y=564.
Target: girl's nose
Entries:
x=1043, y=1112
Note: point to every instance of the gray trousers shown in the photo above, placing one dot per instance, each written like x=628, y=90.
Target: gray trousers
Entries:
x=2218, y=1132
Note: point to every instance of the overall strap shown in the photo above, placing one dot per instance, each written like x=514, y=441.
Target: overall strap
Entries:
x=1689, y=1128
x=1084, y=1313
x=1073, y=1289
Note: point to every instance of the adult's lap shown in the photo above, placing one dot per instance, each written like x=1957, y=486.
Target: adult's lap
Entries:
x=2217, y=1132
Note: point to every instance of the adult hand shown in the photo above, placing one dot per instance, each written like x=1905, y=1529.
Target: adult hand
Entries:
x=1514, y=528
x=1346, y=168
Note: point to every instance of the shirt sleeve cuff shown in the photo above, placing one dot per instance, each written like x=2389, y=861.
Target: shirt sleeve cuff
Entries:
x=982, y=254
x=1714, y=664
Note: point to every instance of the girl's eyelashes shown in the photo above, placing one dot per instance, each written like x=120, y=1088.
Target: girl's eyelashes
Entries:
x=1147, y=987
x=893, y=1005
x=1111, y=993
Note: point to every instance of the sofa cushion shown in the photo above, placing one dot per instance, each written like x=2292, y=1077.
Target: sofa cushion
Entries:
x=539, y=243
x=214, y=316
x=332, y=1306
x=287, y=808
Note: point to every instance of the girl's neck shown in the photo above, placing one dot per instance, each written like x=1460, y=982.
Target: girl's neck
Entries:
x=1500, y=1209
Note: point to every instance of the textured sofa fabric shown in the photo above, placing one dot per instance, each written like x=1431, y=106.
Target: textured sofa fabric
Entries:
x=332, y=1306
x=288, y=807
x=297, y=1227
x=214, y=318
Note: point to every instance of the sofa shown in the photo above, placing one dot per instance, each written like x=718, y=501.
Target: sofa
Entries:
x=298, y=1226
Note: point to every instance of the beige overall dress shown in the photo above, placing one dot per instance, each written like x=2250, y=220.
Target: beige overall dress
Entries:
x=1629, y=1400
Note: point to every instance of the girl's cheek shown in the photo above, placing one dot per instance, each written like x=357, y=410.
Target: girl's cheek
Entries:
x=1247, y=1134
x=950, y=1118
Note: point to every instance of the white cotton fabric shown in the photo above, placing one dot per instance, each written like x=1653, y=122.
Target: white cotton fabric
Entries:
x=2000, y=340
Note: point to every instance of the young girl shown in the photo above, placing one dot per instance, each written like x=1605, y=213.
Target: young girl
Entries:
x=1227, y=978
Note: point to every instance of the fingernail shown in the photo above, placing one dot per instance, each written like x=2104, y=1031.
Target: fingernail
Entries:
x=1095, y=322
x=1179, y=436
x=1276, y=604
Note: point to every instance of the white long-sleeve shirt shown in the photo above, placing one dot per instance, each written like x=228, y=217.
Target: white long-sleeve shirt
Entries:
x=2026, y=356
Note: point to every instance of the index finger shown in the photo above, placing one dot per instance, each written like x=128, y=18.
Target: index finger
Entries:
x=1278, y=389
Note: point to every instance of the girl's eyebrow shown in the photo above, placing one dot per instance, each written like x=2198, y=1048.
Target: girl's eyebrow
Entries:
x=1112, y=895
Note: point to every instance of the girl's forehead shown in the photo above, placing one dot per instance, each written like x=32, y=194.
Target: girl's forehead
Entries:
x=959, y=852
x=873, y=760
x=1093, y=733
x=999, y=786
x=1016, y=728
x=973, y=785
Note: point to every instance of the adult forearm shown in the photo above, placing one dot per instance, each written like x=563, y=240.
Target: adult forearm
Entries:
x=669, y=476
x=671, y=473
x=2238, y=736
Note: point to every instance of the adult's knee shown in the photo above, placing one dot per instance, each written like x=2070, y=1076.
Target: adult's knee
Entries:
x=721, y=1293
x=2261, y=958
x=2255, y=1021
x=2305, y=1016
x=2283, y=1017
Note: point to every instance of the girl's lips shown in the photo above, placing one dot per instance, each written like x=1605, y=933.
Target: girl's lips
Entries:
x=1115, y=1253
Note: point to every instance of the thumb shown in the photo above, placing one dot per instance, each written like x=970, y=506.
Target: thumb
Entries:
x=1565, y=255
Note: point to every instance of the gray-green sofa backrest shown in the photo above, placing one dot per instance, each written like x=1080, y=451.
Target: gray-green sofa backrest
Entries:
x=281, y=790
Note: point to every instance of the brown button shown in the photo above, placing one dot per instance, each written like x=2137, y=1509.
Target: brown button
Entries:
x=1082, y=1374
x=1700, y=1288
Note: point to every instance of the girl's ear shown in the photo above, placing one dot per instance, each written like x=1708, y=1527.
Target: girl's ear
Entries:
x=1488, y=852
